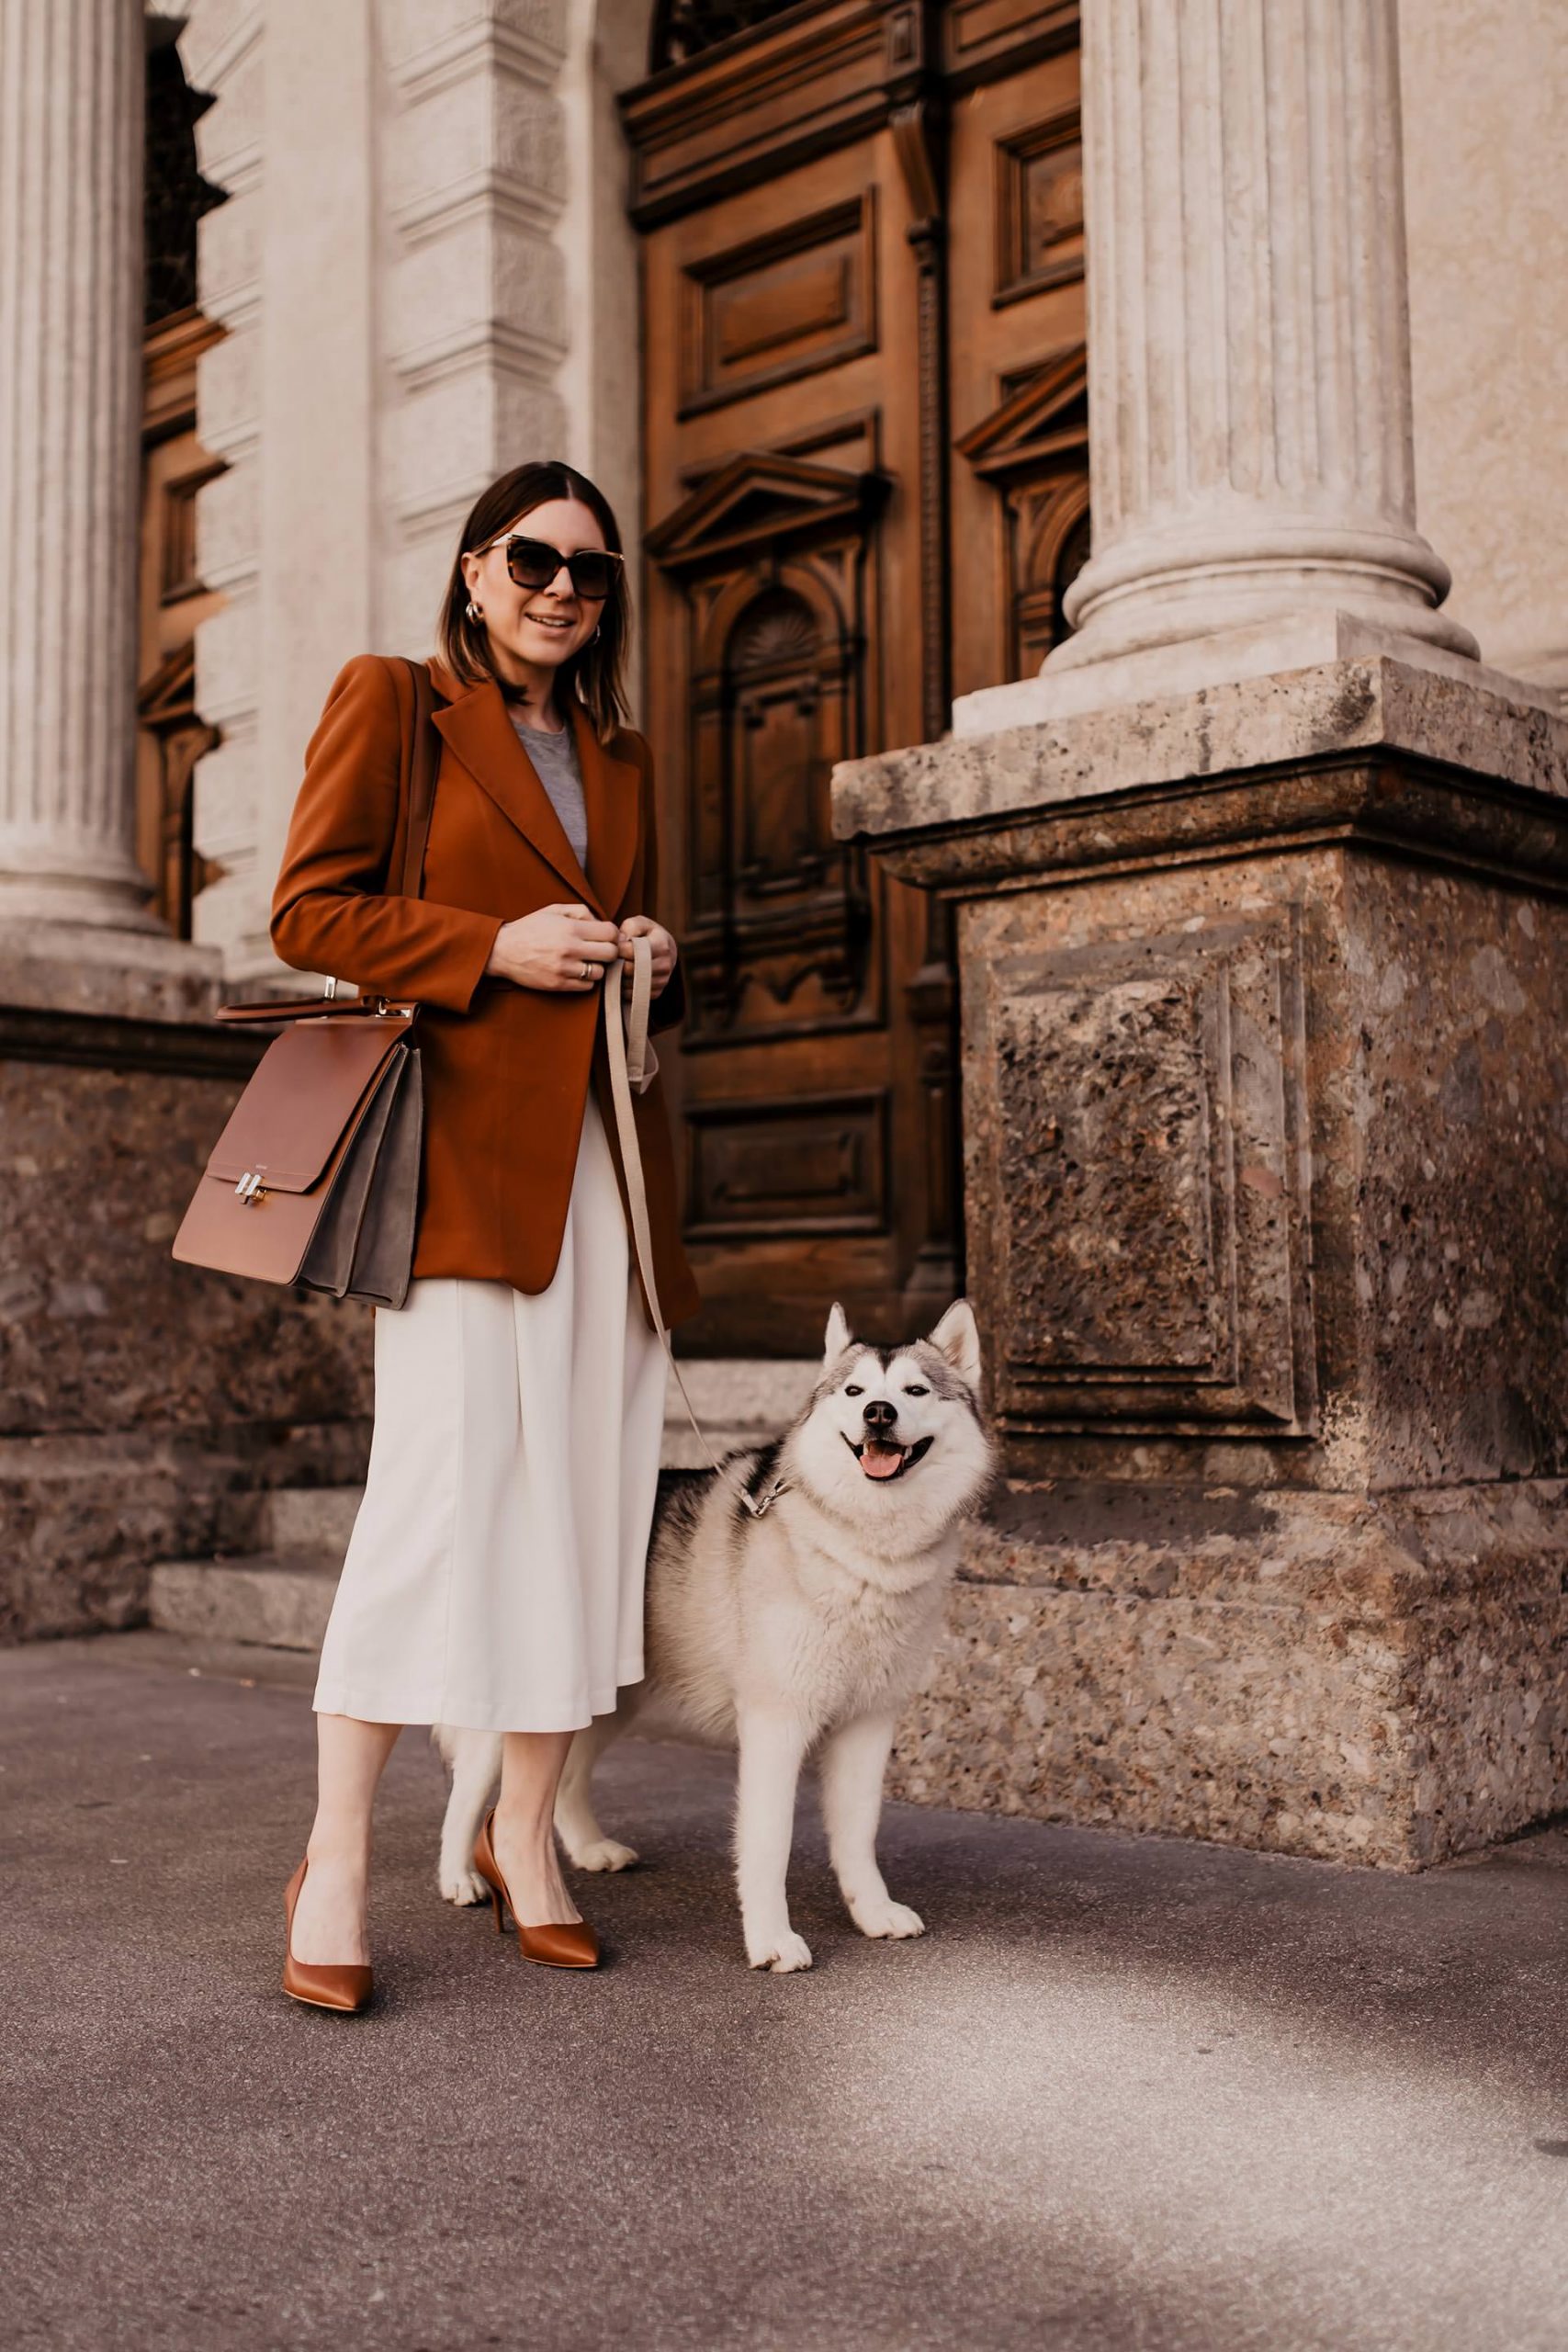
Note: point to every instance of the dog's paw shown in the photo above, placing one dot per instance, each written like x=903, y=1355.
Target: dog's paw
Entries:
x=462, y=1884
x=888, y=1918
x=605, y=1854
x=784, y=1954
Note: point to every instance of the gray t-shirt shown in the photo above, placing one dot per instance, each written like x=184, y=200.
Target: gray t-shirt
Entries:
x=555, y=761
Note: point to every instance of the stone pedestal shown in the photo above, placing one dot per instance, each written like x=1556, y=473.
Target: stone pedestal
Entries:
x=145, y=1408
x=1264, y=994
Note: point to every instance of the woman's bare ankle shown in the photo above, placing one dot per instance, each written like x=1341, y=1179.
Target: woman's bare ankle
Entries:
x=531, y=1866
x=329, y=1925
x=339, y=1850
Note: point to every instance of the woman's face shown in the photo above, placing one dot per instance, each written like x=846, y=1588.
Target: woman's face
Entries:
x=538, y=628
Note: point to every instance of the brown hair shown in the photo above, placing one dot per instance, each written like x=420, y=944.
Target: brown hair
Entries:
x=592, y=675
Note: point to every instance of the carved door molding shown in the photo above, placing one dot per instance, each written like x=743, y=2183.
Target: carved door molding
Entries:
x=1033, y=449
x=769, y=560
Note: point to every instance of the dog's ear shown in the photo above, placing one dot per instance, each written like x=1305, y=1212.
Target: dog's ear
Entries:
x=837, y=1336
x=957, y=1336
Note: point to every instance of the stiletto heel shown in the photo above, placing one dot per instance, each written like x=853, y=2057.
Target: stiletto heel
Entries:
x=558, y=1943
x=343, y=1985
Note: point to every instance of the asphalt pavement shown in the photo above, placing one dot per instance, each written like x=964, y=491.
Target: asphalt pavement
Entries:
x=1127, y=2092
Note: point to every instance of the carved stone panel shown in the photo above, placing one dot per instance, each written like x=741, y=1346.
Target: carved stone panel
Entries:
x=1145, y=1259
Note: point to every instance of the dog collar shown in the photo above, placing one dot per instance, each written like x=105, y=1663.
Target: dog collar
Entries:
x=758, y=1504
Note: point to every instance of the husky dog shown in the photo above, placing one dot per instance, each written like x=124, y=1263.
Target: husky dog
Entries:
x=807, y=1628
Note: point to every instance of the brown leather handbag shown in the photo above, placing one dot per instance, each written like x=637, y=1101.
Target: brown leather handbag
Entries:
x=315, y=1179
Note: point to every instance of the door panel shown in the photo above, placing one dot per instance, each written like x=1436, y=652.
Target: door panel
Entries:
x=1018, y=408
x=822, y=554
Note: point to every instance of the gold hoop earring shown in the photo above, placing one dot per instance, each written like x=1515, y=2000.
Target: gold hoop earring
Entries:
x=474, y=613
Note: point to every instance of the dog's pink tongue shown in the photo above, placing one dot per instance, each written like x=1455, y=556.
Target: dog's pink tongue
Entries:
x=880, y=1460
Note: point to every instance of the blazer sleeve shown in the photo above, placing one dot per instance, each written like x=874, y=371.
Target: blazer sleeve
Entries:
x=332, y=911
x=670, y=1005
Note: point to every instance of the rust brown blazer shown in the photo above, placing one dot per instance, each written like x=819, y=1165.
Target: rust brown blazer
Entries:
x=506, y=1069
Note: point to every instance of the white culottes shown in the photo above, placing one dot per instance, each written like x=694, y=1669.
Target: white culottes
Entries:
x=494, y=1575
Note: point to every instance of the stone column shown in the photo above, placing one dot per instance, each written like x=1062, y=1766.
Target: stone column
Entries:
x=71, y=136
x=1250, y=355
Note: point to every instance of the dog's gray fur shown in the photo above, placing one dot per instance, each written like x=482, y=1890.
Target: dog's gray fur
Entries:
x=804, y=1632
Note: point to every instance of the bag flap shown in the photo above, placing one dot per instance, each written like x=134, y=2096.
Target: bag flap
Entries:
x=306, y=1089
x=278, y=1010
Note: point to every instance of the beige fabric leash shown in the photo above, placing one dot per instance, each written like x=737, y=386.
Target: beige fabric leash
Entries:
x=633, y=1063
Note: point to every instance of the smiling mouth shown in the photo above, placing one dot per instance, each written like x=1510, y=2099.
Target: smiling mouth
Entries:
x=881, y=1461
x=548, y=620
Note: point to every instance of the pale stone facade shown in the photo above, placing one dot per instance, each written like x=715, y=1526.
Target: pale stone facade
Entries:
x=426, y=271
x=1485, y=87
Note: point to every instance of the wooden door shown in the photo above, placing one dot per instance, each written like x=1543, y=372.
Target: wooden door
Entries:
x=866, y=487
x=172, y=601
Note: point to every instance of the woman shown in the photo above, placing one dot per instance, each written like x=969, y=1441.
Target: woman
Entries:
x=494, y=1573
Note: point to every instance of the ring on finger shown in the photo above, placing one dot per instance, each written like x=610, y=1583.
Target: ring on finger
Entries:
x=585, y=970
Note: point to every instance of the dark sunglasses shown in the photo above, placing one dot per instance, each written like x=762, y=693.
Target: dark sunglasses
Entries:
x=534, y=563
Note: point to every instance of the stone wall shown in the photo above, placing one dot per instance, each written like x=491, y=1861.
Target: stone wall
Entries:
x=145, y=1407
x=1381, y=1682
x=1484, y=89
x=427, y=274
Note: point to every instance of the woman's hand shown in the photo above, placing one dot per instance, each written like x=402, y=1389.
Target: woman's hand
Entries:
x=664, y=948
x=548, y=949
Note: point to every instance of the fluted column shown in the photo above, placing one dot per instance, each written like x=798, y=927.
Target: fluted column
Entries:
x=71, y=80
x=1249, y=332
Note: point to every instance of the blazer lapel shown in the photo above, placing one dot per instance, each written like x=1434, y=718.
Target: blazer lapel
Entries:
x=611, y=794
x=478, y=727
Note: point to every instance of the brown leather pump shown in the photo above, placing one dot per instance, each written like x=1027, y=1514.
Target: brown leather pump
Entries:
x=558, y=1943
x=342, y=1986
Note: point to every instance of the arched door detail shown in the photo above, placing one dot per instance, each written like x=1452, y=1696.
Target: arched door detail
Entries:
x=776, y=918
x=1033, y=451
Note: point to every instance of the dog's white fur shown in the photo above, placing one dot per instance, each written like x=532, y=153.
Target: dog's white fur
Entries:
x=805, y=1630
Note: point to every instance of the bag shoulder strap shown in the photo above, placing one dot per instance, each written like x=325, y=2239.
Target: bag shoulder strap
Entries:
x=417, y=769
x=626, y=1036
x=422, y=759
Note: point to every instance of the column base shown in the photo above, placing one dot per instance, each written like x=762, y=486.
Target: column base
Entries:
x=110, y=898
x=1260, y=650
x=64, y=967
x=1373, y=1679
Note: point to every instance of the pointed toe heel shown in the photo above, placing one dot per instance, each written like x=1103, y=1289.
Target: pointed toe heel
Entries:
x=344, y=1987
x=555, y=1943
x=561, y=1943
